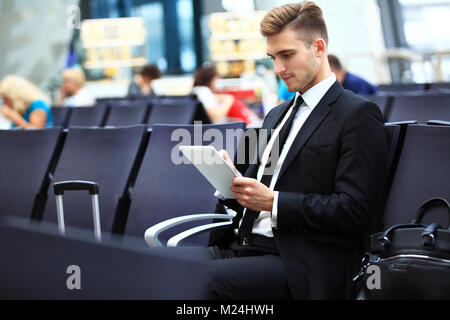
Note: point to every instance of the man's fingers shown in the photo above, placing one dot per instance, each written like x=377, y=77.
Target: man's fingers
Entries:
x=239, y=193
x=224, y=154
x=244, y=182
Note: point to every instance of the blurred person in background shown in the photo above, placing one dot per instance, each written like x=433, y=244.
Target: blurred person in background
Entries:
x=219, y=107
x=349, y=80
x=24, y=104
x=141, y=85
x=72, y=92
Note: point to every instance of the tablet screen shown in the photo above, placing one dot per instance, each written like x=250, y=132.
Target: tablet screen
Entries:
x=213, y=167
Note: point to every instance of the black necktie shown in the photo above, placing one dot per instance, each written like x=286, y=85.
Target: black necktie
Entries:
x=250, y=216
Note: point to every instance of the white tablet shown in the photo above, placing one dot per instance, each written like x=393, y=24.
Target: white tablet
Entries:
x=213, y=166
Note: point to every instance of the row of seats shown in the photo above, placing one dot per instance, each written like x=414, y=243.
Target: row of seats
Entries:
x=139, y=183
x=141, y=186
x=40, y=264
x=187, y=109
x=421, y=108
x=124, y=112
x=414, y=87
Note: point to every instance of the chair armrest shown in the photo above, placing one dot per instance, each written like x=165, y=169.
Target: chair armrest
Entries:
x=438, y=123
x=152, y=233
x=175, y=241
x=402, y=123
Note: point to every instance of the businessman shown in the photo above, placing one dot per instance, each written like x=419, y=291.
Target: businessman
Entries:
x=303, y=212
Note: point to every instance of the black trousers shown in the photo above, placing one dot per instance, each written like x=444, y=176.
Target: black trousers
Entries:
x=245, y=273
x=238, y=272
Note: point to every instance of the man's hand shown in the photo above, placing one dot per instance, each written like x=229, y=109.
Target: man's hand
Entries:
x=227, y=158
x=252, y=194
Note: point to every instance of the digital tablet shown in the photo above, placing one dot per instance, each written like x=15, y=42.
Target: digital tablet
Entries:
x=213, y=167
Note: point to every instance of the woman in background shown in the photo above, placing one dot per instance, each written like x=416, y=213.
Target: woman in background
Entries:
x=219, y=107
x=141, y=85
x=24, y=104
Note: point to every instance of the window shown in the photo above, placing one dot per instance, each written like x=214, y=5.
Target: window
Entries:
x=169, y=24
x=153, y=14
x=427, y=30
x=427, y=23
x=186, y=31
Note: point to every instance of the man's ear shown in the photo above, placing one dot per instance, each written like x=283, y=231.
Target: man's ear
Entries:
x=321, y=48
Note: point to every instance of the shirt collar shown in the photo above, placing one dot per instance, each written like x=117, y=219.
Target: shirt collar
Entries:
x=313, y=96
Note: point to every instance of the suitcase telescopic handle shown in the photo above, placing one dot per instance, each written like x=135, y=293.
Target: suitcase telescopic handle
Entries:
x=60, y=187
x=92, y=187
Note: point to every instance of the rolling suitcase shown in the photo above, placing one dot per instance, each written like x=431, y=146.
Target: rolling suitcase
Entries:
x=59, y=189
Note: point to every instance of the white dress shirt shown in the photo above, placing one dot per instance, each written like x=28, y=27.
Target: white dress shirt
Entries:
x=266, y=220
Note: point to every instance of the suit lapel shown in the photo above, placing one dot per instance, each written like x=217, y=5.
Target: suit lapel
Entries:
x=311, y=124
x=270, y=124
x=309, y=127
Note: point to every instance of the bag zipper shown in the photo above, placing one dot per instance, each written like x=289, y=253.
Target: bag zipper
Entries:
x=416, y=256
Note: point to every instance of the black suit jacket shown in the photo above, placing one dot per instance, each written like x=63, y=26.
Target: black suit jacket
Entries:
x=331, y=191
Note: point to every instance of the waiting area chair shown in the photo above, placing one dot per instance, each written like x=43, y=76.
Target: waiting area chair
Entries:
x=177, y=112
x=421, y=174
x=38, y=263
x=127, y=115
x=169, y=186
x=402, y=87
x=87, y=116
x=106, y=156
x=440, y=85
x=61, y=116
x=420, y=108
x=27, y=161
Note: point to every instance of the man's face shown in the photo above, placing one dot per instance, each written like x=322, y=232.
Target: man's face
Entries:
x=296, y=64
x=70, y=87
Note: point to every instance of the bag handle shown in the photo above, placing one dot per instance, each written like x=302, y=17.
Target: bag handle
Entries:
x=428, y=237
x=430, y=203
x=385, y=240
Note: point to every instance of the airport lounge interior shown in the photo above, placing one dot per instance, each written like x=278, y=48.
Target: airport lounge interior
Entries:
x=137, y=139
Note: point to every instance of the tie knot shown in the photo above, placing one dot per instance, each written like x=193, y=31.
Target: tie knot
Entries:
x=298, y=103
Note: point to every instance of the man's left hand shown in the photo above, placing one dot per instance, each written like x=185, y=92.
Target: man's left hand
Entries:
x=252, y=194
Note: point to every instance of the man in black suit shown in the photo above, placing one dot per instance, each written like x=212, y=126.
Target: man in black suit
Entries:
x=304, y=208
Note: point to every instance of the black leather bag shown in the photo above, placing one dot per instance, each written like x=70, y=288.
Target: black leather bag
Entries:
x=408, y=261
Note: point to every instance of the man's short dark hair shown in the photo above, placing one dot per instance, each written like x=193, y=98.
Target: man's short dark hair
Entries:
x=151, y=71
x=334, y=62
x=305, y=18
